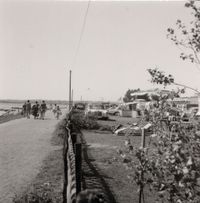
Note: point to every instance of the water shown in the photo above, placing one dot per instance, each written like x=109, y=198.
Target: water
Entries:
x=6, y=106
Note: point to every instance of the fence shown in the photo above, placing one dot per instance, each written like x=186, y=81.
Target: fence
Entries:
x=72, y=165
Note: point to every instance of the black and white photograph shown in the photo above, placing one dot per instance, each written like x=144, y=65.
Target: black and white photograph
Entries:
x=99, y=101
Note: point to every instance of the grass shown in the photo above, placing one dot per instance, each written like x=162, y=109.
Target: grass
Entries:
x=9, y=117
x=102, y=150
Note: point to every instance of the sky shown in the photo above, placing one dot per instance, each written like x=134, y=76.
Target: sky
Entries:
x=121, y=40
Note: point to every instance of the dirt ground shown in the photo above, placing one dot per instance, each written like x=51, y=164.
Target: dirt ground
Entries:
x=24, y=143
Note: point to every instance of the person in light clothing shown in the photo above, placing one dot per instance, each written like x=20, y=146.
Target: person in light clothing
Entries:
x=58, y=112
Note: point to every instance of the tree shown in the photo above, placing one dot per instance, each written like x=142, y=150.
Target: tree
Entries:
x=175, y=162
x=159, y=77
x=128, y=97
x=187, y=37
x=169, y=163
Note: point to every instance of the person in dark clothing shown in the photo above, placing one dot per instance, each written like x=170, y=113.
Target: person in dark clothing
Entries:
x=43, y=108
x=24, y=109
x=55, y=109
x=28, y=109
x=58, y=112
x=35, y=110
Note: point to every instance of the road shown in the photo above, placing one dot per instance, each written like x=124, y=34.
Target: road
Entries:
x=24, y=144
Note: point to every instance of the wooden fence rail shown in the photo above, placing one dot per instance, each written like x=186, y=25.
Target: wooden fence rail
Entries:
x=72, y=165
x=71, y=186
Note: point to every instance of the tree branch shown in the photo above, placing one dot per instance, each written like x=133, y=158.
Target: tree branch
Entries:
x=185, y=86
x=194, y=51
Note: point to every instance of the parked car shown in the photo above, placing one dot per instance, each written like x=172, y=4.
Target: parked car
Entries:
x=80, y=106
x=115, y=111
x=193, y=111
x=97, y=110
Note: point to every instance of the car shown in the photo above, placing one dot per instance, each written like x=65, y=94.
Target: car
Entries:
x=194, y=111
x=115, y=111
x=96, y=110
x=80, y=106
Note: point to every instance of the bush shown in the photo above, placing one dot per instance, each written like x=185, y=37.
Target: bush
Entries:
x=60, y=129
x=84, y=122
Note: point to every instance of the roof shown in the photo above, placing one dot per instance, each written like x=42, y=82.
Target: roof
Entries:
x=149, y=92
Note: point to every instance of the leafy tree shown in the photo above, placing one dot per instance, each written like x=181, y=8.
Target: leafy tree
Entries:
x=159, y=77
x=169, y=163
x=128, y=97
x=187, y=37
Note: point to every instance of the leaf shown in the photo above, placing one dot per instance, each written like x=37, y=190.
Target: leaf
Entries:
x=181, y=184
x=175, y=147
x=185, y=170
x=189, y=162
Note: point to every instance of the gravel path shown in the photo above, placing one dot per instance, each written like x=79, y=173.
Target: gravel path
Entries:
x=24, y=143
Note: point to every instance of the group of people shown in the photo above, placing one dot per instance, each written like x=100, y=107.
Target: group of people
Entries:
x=56, y=111
x=37, y=110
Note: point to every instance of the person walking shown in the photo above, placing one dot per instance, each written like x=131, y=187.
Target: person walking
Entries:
x=43, y=108
x=35, y=110
x=28, y=109
x=55, y=109
x=24, y=109
x=58, y=112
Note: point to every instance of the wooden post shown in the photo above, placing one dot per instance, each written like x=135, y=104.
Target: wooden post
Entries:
x=143, y=138
x=65, y=151
x=74, y=139
x=70, y=90
x=141, y=194
x=78, y=161
x=72, y=97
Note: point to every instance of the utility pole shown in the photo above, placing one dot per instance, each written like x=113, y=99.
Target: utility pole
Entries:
x=70, y=90
x=72, y=97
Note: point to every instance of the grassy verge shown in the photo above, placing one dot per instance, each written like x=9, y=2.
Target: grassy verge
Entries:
x=102, y=150
x=9, y=117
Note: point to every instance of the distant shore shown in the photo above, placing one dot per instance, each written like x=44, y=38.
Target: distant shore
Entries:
x=15, y=101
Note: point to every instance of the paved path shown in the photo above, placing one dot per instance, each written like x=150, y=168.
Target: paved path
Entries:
x=24, y=143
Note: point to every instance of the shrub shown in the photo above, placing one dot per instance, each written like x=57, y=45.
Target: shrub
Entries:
x=84, y=122
x=60, y=129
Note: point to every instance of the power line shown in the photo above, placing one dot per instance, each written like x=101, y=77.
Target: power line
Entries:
x=81, y=35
